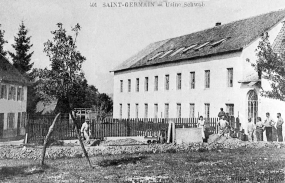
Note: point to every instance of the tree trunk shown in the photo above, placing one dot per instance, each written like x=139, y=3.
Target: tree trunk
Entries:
x=47, y=138
x=79, y=138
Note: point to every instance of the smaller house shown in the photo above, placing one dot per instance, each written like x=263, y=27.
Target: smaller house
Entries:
x=13, y=100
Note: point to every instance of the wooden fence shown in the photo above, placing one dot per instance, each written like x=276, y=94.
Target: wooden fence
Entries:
x=38, y=126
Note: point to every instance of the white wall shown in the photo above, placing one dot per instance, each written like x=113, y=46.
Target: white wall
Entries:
x=217, y=95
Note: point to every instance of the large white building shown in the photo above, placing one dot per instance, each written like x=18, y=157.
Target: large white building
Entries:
x=13, y=100
x=199, y=73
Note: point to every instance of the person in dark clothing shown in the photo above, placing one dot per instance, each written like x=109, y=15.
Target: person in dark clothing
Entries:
x=259, y=129
x=279, y=127
x=221, y=113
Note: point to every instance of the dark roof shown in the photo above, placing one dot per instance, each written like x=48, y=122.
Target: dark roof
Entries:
x=238, y=34
x=8, y=73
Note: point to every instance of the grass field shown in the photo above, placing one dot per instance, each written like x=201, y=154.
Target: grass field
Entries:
x=225, y=165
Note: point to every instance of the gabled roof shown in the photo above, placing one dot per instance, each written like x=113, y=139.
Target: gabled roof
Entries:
x=225, y=38
x=8, y=73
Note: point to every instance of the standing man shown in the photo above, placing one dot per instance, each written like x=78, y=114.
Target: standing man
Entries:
x=86, y=130
x=268, y=123
x=221, y=113
x=279, y=127
x=259, y=129
x=223, y=126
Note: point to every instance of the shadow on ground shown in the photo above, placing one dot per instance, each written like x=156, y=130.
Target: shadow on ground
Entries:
x=120, y=161
x=25, y=170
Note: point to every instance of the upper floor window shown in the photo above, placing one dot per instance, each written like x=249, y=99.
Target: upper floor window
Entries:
x=129, y=85
x=12, y=93
x=166, y=82
x=138, y=85
x=146, y=83
x=121, y=85
x=192, y=80
x=207, y=79
x=230, y=77
x=20, y=93
x=3, y=92
x=155, y=83
x=179, y=81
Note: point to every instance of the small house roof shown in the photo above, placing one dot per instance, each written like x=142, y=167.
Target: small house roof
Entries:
x=220, y=39
x=8, y=73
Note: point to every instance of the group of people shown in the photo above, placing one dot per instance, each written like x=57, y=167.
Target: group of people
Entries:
x=255, y=131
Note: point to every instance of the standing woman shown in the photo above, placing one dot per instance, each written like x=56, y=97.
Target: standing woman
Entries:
x=259, y=129
x=201, y=124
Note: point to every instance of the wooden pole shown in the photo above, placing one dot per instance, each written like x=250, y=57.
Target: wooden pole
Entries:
x=46, y=139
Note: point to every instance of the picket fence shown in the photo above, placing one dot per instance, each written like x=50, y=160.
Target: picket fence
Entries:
x=37, y=127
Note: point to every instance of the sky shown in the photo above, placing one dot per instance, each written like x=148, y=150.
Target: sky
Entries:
x=110, y=35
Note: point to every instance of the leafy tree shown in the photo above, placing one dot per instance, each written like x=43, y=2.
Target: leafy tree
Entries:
x=104, y=105
x=22, y=57
x=2, y=42
x=64, y=78
x=271, y=66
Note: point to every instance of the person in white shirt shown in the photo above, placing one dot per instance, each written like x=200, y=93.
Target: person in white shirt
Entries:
x=86, y=130
x=250, y=130
x=223, y=126
x=201, y=124
x=268, y=123
x=259, y=129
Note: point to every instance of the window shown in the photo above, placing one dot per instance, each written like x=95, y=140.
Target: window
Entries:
x=192, y=111
x=121, y=85
x=121, y=111
x=145, y=110
x=22, y=97
x=155, y=110
x=230, y=109
x=179, y=81
x=155, y=83
x=166, y=53
x=189, y=48
x=177, y=51
x=19, y=93
x=137, y=110
x=166, y=112
x=207, y=79
x=129, y=85
x=23, y=121
x=207, y=110
x=178, y=110
x=12, y=93
x=230, y=77
x=192, y=80
x=19, y=120
x=129, y=110
x=201, y=46
x=156, y=55
x=166, y=82
x=146, y=84
x=218, y=42
x=10, y=120
x=3, y=92
x=138, y=85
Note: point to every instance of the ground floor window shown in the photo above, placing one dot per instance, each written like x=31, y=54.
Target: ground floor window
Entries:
x=192, y=110
x=10, y=120
x=155, y=110
x=166, y=112
x=207, y=110
x=121, y=110
x=145, y=110
x=137, y=110
x=230, y=109
x=178, y=110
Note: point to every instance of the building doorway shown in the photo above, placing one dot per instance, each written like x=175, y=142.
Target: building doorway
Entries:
x=252, y=105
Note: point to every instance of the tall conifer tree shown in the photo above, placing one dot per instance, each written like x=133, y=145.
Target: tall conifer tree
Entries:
x=22, y=57
x=2, y=42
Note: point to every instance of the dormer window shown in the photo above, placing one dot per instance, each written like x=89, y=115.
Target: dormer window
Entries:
x=189, y=48
x=218, y=42
x=201, y=46
x=177, y=51
x=155, y=56
x=166, y=53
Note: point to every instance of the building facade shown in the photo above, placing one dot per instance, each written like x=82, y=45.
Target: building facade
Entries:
x=199, y=73
x=13, y=100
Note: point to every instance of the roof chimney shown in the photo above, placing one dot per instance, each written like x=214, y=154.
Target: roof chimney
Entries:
x=218, y=23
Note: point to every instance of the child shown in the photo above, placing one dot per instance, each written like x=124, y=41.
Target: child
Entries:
x=200, y=124
x=251, y=130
